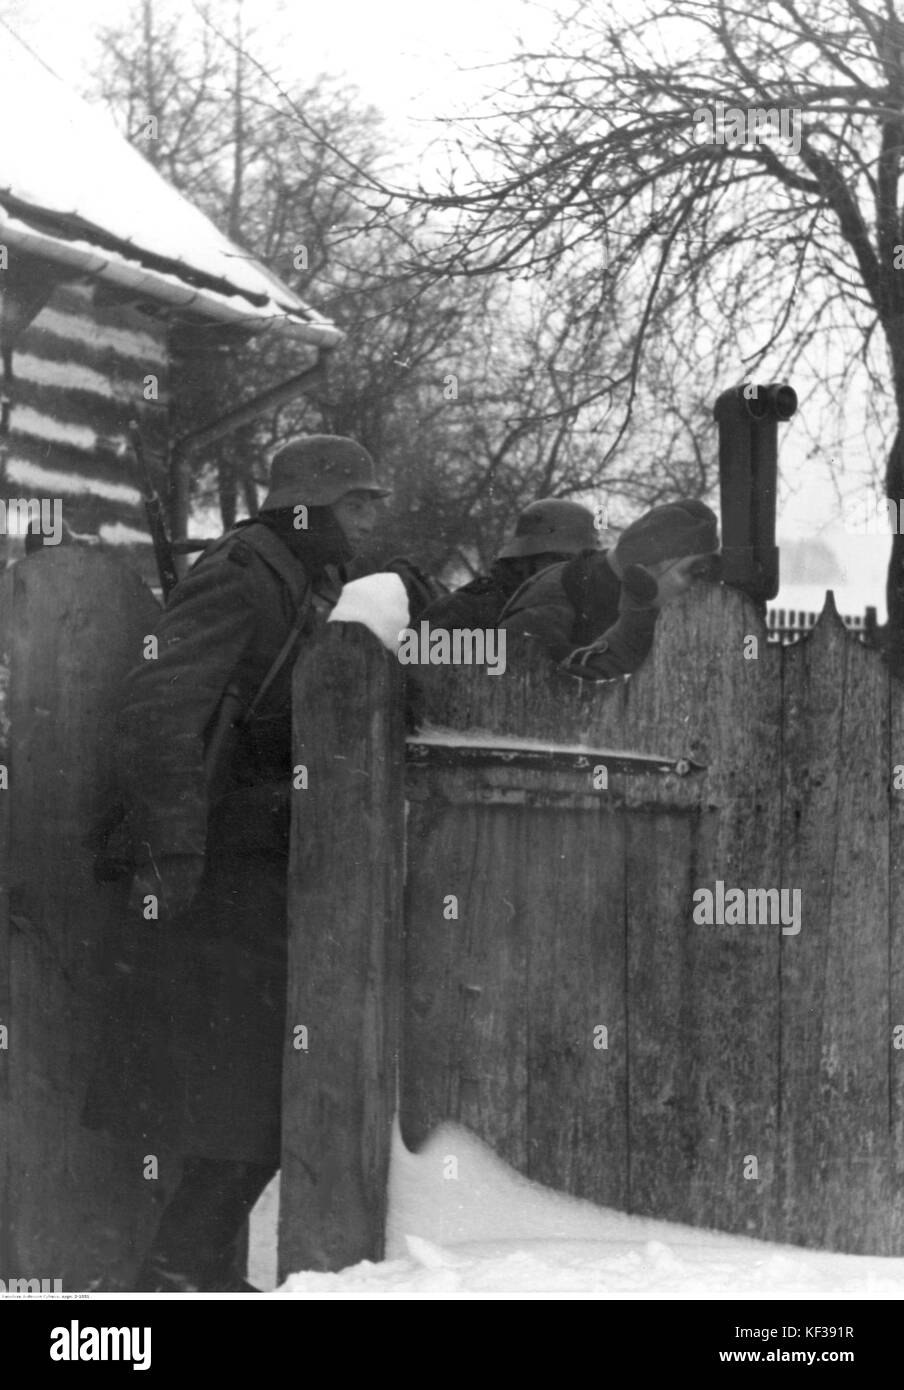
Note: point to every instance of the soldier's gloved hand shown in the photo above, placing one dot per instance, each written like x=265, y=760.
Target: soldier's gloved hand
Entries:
x=172, y=880
x=421, y=588
x=639, y=590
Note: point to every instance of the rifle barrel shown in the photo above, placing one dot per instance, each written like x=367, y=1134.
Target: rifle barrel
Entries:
x=153, y=510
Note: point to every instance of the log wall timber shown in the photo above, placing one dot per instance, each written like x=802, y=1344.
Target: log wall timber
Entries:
x=79, y=374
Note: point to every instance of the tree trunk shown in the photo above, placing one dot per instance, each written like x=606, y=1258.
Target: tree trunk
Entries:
x=894, y=489
x=894, y=588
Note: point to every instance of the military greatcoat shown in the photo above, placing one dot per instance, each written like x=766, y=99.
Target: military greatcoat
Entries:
x=197, y=1026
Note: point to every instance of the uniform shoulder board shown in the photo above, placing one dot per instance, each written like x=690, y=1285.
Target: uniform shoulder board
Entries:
x=239, y=553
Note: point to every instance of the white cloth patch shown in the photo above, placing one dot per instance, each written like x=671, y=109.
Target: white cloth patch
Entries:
x=379, y=602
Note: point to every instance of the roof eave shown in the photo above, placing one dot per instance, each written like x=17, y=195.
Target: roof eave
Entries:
x=81, y=258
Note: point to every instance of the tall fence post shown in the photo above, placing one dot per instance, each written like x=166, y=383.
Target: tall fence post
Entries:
x=345, y=921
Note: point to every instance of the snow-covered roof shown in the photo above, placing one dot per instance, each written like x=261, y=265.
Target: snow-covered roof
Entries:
x=75, y=192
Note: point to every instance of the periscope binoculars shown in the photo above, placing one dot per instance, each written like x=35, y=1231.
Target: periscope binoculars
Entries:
x=748, y=417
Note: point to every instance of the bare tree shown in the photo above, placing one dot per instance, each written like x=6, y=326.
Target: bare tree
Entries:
x=767, y=229
x=477, y=397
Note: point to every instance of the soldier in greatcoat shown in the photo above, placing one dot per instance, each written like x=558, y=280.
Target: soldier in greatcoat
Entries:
x=208, y=794
x=595, y=614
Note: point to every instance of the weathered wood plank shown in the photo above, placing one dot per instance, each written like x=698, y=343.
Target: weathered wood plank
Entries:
x=446, y=748
x=835, y=1025
x=72, y=622
x=465, y=1041
x=345, y=896
x=544, y=860
x=577, y=1075
x=433, y=965
x=703, y=1044
x=664, y=1016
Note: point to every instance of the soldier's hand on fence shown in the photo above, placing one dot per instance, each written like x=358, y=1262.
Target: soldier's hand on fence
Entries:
x=590, y=664
x=639, y=590
x=422, y=589
x=167, y=887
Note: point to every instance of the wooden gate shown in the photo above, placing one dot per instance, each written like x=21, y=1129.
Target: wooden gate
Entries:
x=554, y=991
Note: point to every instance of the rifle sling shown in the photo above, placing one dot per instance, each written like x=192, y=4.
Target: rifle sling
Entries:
x=282, y=656
x=231, y=716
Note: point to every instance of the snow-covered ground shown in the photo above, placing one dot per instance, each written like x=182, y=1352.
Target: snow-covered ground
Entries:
x=488, y=1231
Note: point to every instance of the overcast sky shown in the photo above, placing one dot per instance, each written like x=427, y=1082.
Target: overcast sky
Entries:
x=413, y=58
x=416, y=59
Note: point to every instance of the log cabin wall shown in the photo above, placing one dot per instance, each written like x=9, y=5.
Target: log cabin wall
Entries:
x=78, y=377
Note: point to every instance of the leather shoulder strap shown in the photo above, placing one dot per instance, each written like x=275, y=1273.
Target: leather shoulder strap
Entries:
x=280, y=559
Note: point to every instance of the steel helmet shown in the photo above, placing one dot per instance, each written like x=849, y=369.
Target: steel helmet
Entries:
x=553, y=525
x=317, y=470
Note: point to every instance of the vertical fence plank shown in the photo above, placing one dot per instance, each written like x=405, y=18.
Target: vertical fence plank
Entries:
x=465, y=1046
x=499, y=1015
x=664, y=1016
x=703, y=1012
x=574, y=886
x=345, y=887
x=834, y=974
x=432, y=967
x=72, y=622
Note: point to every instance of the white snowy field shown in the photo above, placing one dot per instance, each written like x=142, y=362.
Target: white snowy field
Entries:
x=489, y=1232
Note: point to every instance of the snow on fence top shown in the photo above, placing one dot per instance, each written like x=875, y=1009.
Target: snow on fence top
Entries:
x=73, y=191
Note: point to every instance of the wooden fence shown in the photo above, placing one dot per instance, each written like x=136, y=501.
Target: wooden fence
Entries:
x=506, y=939
x=541, y=975
x=72, y=1206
